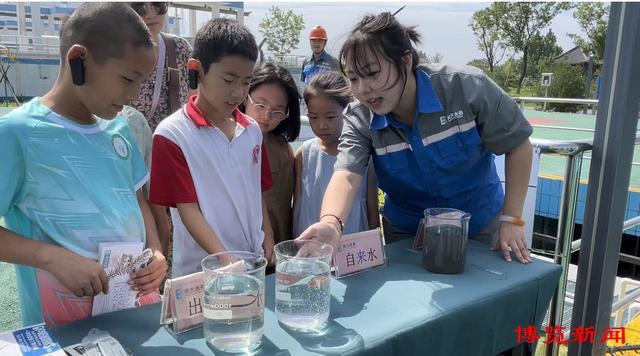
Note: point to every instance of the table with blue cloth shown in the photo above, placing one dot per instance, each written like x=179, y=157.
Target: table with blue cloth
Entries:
x=398, y=309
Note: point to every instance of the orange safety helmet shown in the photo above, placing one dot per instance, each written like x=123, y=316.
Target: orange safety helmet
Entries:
x=318, y=33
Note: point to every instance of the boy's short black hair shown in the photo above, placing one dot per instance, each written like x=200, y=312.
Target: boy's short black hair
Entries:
x=105, y=29
x=223, y=37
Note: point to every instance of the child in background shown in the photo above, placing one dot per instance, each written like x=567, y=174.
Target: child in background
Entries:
x=71, y=172
x=326, y=96
x=206, y=158
x=274, y=102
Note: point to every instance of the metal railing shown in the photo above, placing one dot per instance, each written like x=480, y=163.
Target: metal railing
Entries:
x=626, y=225
x=624, y=299
x=564, y=128
x=593, y=103
x=291, y=61
x=577, y=129
x=535, y=99
x=573, y=151
x=48, y=45
x=633, y=222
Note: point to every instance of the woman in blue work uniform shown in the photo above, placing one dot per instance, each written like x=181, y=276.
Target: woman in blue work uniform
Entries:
x=432, y=131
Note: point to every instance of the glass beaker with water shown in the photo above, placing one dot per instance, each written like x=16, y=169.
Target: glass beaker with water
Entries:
x=233, y=306
x=445, y=240
x=303, y=278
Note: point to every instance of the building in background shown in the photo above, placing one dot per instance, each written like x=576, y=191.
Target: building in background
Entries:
x=30, y=47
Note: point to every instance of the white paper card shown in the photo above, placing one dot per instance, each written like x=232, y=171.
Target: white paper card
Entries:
x=117, y=260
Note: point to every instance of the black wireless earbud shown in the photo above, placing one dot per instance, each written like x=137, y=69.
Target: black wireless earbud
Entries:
x=77, y=70
x=193, y=79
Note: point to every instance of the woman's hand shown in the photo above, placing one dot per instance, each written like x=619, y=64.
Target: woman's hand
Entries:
x=512, y=236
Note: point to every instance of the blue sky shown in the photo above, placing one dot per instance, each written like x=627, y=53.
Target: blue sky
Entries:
x=443, y=25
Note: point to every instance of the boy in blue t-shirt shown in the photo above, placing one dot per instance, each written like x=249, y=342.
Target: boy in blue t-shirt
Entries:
x=71, y=172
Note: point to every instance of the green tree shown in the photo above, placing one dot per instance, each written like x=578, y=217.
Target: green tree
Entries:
x=484, y=25
x=281, y=30
x=593, y=18
x=542, y=48
x=520, y=21
x=506, y=75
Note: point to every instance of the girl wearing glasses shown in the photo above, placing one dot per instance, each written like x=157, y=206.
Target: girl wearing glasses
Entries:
x=326, y=96
x=274, y=102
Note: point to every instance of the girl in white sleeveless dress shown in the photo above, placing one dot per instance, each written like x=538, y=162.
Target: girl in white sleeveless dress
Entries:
x=326, y=96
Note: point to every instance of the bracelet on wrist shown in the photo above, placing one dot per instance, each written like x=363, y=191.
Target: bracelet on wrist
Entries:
x=339, y=224
x=512, y=219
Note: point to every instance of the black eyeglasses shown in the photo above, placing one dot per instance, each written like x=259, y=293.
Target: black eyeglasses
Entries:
x=156, y=8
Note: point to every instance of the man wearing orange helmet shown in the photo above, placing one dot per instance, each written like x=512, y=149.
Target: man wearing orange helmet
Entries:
x=320, y=61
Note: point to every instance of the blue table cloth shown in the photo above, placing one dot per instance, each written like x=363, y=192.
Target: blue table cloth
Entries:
x=399, y=309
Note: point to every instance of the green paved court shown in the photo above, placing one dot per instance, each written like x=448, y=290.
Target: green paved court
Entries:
x=552, y=165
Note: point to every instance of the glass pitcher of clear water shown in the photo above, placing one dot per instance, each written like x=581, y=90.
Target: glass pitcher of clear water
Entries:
x=445, y=240
x=303, y=276
x=233, y=306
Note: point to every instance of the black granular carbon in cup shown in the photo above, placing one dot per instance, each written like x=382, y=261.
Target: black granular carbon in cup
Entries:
x=445, y=248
